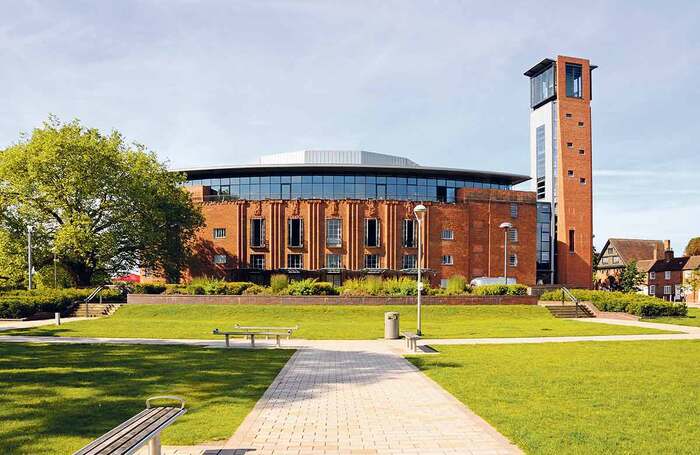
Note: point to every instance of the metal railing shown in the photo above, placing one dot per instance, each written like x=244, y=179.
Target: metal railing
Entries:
x=566, y=294
x=96, y=292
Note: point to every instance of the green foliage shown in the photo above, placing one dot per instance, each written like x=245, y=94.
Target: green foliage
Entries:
x=310, y=286
x=693, y=247
x=637, y=304
x=255, y=289
x=500, y=289
x=457, y=285
x=103, y=206
x=44, y=278
x=22, y=304
x=149, y=288
x=631, y=278
x=400, y=286
x=278, y=283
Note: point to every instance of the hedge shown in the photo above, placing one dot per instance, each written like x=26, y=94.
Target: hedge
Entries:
x=22, y=304
x=615, y=301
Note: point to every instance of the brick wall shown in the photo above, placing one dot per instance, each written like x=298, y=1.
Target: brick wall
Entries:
x=150, y=299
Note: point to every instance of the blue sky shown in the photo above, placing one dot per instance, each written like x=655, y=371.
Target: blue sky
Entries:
x=440, y=82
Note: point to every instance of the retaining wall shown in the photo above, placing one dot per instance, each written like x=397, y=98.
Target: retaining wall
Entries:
x=154, y=299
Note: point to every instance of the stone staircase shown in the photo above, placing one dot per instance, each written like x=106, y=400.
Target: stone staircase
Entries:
x=568, y=310
x=95, y=310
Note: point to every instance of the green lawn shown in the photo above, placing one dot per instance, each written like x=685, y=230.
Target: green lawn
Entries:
x=55, y=399
x=580, y=398
x=693, y=319
x=330, y=321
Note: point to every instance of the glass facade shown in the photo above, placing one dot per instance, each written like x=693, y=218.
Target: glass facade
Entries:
x=437, y=188
x=541, y=162
x=545, y=260
x=542, y=87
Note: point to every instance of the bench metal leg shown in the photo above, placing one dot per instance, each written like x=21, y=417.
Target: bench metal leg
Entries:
x=252, y=340
x=227, y=344
x=278, y=340
x=154, y=445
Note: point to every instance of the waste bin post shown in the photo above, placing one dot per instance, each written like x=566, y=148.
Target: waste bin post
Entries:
x=391, y=325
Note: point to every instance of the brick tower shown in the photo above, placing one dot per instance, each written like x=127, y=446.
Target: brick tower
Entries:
x=561, y=168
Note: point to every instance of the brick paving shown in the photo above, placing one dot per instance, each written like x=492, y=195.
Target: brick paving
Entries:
x=361, y=398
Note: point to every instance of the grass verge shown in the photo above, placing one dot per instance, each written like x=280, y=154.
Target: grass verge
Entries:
x=55, y=399
x=692, y=320
x=330, y=322
x=582, y=398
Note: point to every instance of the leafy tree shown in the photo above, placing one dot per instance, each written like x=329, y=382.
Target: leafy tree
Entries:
x=693, y=282
x=631, y=278
x=102, y=205
x=693, y=247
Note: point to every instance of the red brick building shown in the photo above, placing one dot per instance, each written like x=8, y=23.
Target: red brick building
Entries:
x=668, y=277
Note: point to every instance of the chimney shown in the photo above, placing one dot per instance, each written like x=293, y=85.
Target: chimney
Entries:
x=668, y=252
x=656, y=253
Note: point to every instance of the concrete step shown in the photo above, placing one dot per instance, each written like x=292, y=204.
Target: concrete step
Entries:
x=569, y=311
x=95, y=310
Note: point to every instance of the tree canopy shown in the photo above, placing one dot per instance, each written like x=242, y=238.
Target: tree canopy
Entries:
x=631, y=278
x=693, y=247
x=100, y=205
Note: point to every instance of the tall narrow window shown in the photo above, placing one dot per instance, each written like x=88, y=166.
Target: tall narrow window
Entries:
x=513, y=260
x=333, y=261
x=408, y=261
x=513, y=210
x=257, y=261
x=572, y=240
x=371, y=261
x=652, y=289
x=574, y=80
x=409, y=233
x=333, y=228
x=372, y=232
x=295, y=232
x=257, y=232
x=294, y=261
x=513, y=235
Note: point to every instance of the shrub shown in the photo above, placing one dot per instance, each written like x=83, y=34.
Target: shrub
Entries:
x=310, y=286
x=149, y=288
x=21, y=304
x=500, y=289
x=278, y=283
x=237, y=287
x=456, y=285
x=400, y=286
x=255, y=289
x=637, y=304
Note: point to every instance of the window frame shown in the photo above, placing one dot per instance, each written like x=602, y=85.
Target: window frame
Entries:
x=652, y=289
x=414, y=260
x=447, y=259
x=219, y=231
x=652, y=275
x=378, y=242
x=512, y=260
x=667, y=275
x=262, y=234
x=290, y=232
x=405, y=241
x=301, y=260
x=217, y=260
x=513, y=235
x=377, y=261
x=668, y=289
x=254, y=257
x=451, y=235
x=573, y=81
x=514, y=209
x=334, y=242
x=338, y=257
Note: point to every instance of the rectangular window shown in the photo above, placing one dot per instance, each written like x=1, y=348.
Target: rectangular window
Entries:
x=580, y=123
x=570, y=173
x=447, y=234
x=371, y=261
x=677, y=289
x=447, y=260
x=652, y=275
x=333, y=229
x=572, y=241
x=295, y=232
x=513, y=235
x=409, y=261
x=219, y=233
x=542, y=87
x=582, y=180
x=569, y=145
x=220, y=259
x=541, y=161
x=294, y=261
x=513, y=210
x=372, y=232
x=667, y=289
x=652, y=289
x=513, y=260
x=667, y=275
x=257, y=232
x=574, y=80
x=409, y=233
x=581, y=152
x=333, y=261
x=257, y=261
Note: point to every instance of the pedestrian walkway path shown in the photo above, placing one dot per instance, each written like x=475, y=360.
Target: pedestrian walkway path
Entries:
x=16, y=324
x=364, y=398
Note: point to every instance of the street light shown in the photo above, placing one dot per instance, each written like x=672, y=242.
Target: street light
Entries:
x=29, y=254
x=418, y=211
x=505, y=226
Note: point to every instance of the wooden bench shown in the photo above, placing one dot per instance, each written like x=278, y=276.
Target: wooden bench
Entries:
x=250, y=334
x=411, y=340
x=131, y=435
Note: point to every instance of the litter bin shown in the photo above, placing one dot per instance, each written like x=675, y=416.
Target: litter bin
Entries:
x=391, y=325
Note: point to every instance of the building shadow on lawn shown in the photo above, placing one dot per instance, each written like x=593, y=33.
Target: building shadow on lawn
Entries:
x=85, y=390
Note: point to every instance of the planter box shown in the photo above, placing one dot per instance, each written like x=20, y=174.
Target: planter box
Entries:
x=154, y=299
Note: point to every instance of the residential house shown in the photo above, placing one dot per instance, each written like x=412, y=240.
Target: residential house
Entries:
x=619, y=253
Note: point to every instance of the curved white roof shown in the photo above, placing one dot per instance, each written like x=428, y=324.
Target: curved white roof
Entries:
x=337, y=157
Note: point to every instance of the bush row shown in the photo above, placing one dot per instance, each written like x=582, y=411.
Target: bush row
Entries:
x=22, y=304
x=632, y=303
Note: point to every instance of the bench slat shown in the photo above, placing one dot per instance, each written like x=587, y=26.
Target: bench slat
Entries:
x=133, y=433
x=114, y=433
x=146, y=431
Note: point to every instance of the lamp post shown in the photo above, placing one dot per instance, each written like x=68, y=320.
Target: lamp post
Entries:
x=505, y=226
x=418, y=211
x=29, y=255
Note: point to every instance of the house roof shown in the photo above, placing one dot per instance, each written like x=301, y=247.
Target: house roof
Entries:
x=636, y=249
x=644, y=265
x=673, y=265
x=693, y=263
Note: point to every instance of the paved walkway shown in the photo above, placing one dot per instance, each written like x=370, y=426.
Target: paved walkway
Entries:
x=12, y=325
